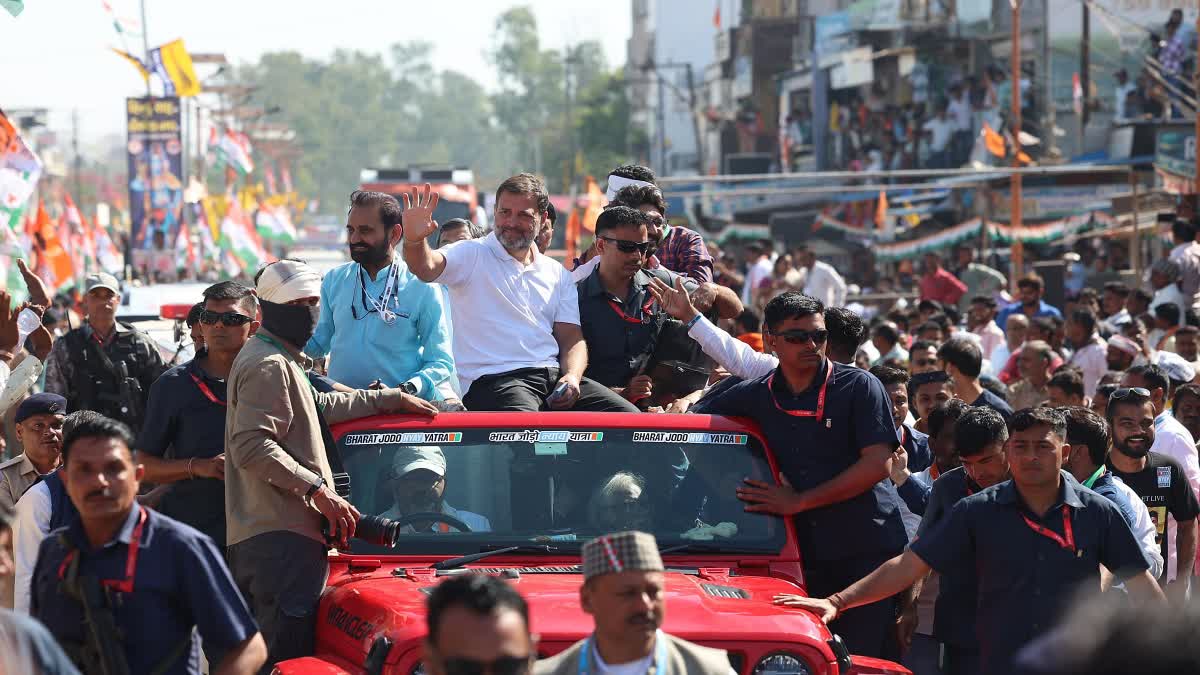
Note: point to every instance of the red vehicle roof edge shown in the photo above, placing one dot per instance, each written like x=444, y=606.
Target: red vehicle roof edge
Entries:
x=473, y=420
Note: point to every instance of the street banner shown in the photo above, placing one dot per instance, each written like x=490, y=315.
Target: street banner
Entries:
x=155, y=161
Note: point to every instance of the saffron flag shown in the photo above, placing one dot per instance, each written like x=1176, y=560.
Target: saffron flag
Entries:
x=717, y=16
x=993, y=141
x=55, y=263
x=881, y=209
x=595, y=202
x=177, y=66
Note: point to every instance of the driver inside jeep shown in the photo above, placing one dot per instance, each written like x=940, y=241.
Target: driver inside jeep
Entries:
x=418, y=483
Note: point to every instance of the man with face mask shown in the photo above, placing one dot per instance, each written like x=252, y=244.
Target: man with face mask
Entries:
x=378, y=321
x=279, y=487
x=419, y=486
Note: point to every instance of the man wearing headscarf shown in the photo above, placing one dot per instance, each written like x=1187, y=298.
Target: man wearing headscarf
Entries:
x=279, y=487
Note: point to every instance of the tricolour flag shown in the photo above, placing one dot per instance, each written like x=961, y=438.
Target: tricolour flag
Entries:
x=233, y=149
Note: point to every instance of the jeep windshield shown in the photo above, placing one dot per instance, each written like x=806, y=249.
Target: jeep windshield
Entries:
x=460, y=491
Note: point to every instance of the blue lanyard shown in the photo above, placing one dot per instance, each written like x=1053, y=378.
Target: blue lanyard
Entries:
x=660, y=656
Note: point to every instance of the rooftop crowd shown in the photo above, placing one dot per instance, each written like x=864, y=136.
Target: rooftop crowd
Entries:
x=955, y=470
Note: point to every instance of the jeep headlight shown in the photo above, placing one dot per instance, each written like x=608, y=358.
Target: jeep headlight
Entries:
x=781, y=663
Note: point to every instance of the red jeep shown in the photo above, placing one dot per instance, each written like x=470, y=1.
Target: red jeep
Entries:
x=523, y=491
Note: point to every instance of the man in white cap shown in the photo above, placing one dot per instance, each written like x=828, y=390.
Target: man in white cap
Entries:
x=1123, y=352
x=419, y=486
x=104, y=365
x=279, y=486
x=624, y=589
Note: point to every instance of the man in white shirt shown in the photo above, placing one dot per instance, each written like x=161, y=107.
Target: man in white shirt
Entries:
x=758, y=267
x=1120, y=94
x=1016, y=329
x=959, y=111
x=1187, y=254
x=1091, y=350
x=940, y=130
x=518, y=344
x=822, y=281
x=981, y=320
x=1171, y=438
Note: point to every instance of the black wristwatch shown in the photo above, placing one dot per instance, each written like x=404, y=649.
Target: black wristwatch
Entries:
x=409, y=388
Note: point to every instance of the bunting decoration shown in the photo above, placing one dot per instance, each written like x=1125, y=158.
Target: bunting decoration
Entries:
x=998, y=233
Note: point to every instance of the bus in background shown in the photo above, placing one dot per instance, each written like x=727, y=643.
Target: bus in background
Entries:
x=458, y=197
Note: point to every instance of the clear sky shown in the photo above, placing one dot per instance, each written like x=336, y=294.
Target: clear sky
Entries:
x=55, y=55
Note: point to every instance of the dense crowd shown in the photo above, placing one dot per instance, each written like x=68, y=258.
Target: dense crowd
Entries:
x=955, y=469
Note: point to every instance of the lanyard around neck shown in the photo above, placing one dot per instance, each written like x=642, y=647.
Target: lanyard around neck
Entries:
x=819, y=413
x=1067, y=540
x=204, y=389
x=123, y=585
x=1094, y=477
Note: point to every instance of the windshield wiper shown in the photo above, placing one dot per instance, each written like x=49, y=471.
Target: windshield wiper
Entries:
x=711, y=547
x=489, y=551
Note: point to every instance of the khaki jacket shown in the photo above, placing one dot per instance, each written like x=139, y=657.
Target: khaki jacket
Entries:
x=273, y=447
x=682, y=657
x=16, y=475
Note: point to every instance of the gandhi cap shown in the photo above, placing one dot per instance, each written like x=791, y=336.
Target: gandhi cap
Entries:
x=621, y=552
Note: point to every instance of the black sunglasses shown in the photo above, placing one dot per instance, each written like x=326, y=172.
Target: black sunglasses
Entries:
x=626, y=246
x=799, y=337
x=505, y=665
x=230, y=319
x=1126, y=392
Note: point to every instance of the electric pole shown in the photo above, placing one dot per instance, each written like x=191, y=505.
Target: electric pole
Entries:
x=1018, y=250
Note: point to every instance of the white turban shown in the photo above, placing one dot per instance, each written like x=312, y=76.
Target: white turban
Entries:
x=615, y=183
x=287, y=280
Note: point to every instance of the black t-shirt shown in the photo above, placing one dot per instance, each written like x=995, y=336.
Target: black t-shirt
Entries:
x=1164, y=489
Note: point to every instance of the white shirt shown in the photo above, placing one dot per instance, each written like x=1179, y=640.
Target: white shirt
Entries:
x=940, y=131
x=754, y=276
x=585, y=270
x=1172, y=439
x=990, y=337
x=825, y=284
x=959, y=111
x=1120, y=93
x=30, y=527
x=639, y=667
x=999, y=356
x=503, y=311
x=730, y=353
x=1143, y=528
x=1092, y=360
x=1171, y=293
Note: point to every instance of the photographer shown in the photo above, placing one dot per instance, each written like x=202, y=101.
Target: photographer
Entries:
x=279, y=485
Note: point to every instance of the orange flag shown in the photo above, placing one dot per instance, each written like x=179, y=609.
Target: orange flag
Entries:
x=881, y=209
x=55, y=261
x=572, y=236
x=717, y=16
x=993, y=141
x=595, y=201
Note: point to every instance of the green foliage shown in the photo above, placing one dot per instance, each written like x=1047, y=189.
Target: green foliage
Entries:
x=358, y=109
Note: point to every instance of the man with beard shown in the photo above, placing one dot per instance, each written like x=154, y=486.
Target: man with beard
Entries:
x=981, y=320
x=624, y=589
x=1122, y=353
x=1034, y=363
x=419, y=486
x=1091, y=351
x=279, y=485
x=1187, y=345
x=1030, y=290
x=517, y=338
x=845, y=509
x=1171, y=438
x=378, y=321
x=1185, y=406
x=1029, y=544
x=1089, y=438
x=1157, y=479
x=182, y=443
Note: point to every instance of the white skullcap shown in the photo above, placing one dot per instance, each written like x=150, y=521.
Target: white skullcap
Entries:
x=1176, y=367
x=287, y=280
x=615, y=183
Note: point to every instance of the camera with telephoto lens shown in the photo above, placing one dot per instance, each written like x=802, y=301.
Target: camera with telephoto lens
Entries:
x=375, y=530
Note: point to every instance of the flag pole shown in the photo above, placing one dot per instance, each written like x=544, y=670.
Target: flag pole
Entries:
x=1015, y=219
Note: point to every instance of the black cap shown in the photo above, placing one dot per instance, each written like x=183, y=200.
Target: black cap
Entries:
x=41, y=404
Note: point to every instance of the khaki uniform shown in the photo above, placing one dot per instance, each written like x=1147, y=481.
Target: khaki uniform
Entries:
x=682, y=657
x=16, y=475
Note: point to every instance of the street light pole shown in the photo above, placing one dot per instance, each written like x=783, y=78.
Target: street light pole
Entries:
x=1018, y=250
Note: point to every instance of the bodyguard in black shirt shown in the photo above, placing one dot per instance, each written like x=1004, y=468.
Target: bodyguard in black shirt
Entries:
x=831, y=428
x=1033, y=543
x=182, y=442
x=1157, y=479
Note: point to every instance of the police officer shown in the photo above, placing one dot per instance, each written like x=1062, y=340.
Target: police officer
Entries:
x=105, y=365
x=39, y=421
x=123, y=588
x=832, y=427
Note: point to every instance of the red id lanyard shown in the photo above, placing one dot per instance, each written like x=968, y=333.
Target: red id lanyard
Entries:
x=819, y=413
x=645, y=318
x=1067, y=541
x=124, y=585
x=208, y=393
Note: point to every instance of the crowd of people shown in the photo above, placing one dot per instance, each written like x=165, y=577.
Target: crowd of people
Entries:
x=955, y=470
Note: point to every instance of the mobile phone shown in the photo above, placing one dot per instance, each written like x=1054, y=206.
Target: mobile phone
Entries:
x=558, y=393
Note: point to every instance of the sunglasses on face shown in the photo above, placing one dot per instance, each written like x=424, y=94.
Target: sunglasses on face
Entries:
x=1126, y=392
x=799, y=337
x=505, y=665
x=230, y=319
x=625, y=246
